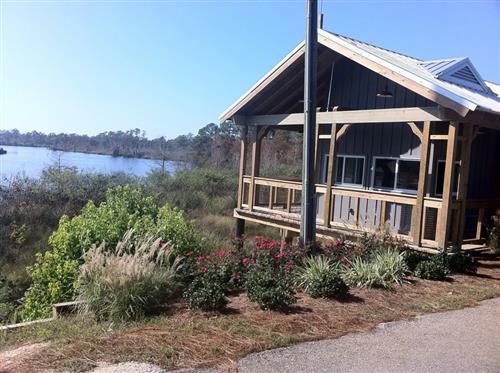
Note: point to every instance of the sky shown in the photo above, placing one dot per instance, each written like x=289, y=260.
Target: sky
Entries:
x=171, y=67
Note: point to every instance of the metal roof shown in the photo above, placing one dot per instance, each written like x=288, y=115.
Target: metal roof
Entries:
x=422, y=72
x=430, y=75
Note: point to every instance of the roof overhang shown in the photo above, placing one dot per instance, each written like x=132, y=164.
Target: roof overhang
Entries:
x=397, y=74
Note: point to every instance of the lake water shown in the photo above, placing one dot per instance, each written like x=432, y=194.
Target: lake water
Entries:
x=31, y=161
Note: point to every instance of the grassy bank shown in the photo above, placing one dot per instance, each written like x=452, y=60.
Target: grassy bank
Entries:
x=180, y=338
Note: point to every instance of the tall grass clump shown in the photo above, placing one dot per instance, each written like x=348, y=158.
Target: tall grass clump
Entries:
x=382, y=270
x=125, y=283
x=319, y=278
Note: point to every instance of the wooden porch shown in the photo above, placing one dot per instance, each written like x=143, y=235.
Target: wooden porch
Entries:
x=435, y=222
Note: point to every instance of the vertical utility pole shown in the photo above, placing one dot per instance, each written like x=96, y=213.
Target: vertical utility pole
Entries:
x=308, y=211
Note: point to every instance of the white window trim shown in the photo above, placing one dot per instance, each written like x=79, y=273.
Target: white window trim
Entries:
x=394, y=189
x=455, y=193
x=353, y=185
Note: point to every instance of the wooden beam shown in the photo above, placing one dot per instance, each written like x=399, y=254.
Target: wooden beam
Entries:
x=415, y=130
x=443, y=226
x=416, y=221
x=331, y=173
x=342, y=131
x=243, y=161
x=478, y=118
x=439, y=137
x=411, y=114
x=463, y=181
x=394, y=76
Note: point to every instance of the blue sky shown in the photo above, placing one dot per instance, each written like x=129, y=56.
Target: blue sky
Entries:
x=170, y=67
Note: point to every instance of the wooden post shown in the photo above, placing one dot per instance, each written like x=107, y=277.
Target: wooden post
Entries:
x=289, y=200
x=317, y=152
x=480, y=220
x=463, y=185
x=331, y=174
x=271, y=197
x=383, y=213
x=443, y=225
x=255, y=167
x=356, y=211
x=416, y=221
x=243, y=161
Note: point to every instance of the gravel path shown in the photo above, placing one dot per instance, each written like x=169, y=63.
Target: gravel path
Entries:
x=466, y=340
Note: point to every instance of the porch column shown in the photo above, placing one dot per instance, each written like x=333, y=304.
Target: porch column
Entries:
x=416, y=221
x=463, y=185
x=332, y=160
x=443, y=225
x=243, y=161
x=255, y=166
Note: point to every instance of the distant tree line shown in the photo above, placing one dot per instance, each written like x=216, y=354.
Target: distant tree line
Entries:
x=213, y=146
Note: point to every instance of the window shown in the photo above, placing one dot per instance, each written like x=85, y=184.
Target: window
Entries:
x=396, y=174
x=440, y=177
x=350, y=170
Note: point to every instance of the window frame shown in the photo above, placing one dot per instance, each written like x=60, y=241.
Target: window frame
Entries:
x=396, y=175
x=352, y=185
x=344, y=156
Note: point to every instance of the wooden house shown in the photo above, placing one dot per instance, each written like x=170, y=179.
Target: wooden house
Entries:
x=402, y=144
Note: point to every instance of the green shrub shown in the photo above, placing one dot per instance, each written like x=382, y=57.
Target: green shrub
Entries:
x=461, y=263
x=435, y=268
x=412, y=258
x=319, y=279
x=272, y=290
x=124, y=284
x=382, y=270
x=55, y=273
x=172, y=226
x=206, y=292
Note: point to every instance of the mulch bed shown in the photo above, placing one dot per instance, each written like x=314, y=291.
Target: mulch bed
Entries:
x=180, y=338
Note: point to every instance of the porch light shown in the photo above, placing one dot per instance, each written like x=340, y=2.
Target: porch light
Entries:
x=384, y=93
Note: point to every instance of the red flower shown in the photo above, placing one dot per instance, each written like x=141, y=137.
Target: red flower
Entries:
x=203, y=269
x=280, y=255
x=221, y=253
x=236, y=277
x=245, y=261
x=200, y=258
x=342, y=259
x=289, y=266
x=346, y=266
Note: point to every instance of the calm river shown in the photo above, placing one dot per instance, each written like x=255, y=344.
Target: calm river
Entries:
x=31, y=161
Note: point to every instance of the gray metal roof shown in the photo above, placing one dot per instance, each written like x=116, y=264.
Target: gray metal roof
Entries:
x=427, y=73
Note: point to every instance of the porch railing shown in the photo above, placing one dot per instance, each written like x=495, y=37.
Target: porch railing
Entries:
x=367, y=209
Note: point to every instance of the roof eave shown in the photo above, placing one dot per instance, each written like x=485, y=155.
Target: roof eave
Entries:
x=262, y=83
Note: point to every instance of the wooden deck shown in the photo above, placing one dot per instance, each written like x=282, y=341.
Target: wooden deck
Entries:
x=277, y=203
